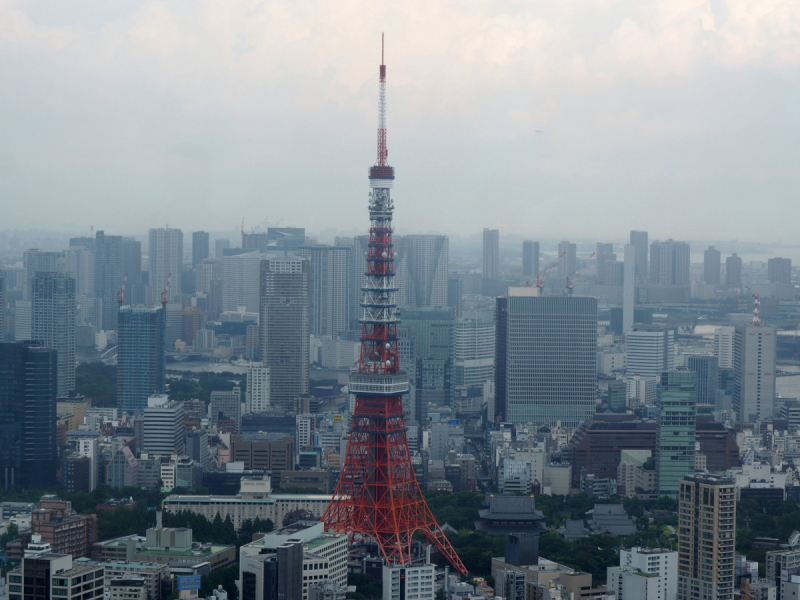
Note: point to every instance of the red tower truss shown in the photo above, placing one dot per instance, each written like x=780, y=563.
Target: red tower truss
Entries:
x=378, y=496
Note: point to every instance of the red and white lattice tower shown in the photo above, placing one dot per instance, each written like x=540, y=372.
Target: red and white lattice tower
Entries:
x=378, y=496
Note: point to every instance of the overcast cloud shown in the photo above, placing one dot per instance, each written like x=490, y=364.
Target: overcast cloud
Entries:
x=677, y=116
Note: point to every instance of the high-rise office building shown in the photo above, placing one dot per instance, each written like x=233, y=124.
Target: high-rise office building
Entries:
x=604, y=256
x=166, y=259
x=723, y=346
x=706, y=537
x=257, y=388
x=546, y=358
x=640, y=245
x=754, y=356
x=676, y=428
x=530, y=258
x=779, y=270
x=491, y=253
x=35, y=261
x=430, y=328
x=472, y=349
x=650, y=351
x=53, y=322
x=569, y=262
x=2, y=308
x=108, y=276
x=711, y=266
x=226, y=405
x=330, y=289
x=28, y=451
x=707, y=369
x=79, y=264
x=241, y=272
x=669, y=263
x=164, y=433
x=140, y=356
x=421, y=270
x=199, y=247
x=86, y=242
x=219, y=248
x=135, y=290
x=628, y=290
x=733, y=271
x=284, y=328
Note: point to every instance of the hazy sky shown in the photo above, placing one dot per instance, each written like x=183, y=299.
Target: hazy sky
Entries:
x=677, y=116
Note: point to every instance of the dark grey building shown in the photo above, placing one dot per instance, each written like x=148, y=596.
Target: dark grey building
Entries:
x=733, y=271
x=431, y=330
x=545, y=358
x=135, y=289
x=711, y=266
x=284, y=328
x=140, y=356
x=604, y=255
x=669, y=263
x=530, y=258
x=108, y=276
x=28, y=452
x=330, y=289
x=274, y=576
x=199, y=247
x=640, y=247
x=707, y=369
x=779, y=270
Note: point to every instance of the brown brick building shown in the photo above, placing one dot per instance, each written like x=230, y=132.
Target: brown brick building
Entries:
x=68, y=533
x=272, y=451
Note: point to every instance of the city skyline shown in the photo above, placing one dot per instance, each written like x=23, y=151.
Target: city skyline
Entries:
x=652, y=113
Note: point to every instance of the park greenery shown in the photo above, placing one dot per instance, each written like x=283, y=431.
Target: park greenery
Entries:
x=97, y=381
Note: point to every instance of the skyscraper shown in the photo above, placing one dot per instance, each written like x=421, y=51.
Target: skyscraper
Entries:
x=35, y=261
x=166, y=258
x=754, y=355
x=706, y=537
x=79, y=264
x=530, y=258
x=707, y=369
x=199, y=247
x=284, y=327
x=330, y=288
x=135, y=290
x=639, y=243
x=733, y=271
x=431, y=330
x=53, y=323
x=491, y=253
x=2, y=308
x=675, y=434
x=711, y=266
x=779, y=270
x=241, y=272
x=108, y=276
x=628, y=290
x=569, y=262
x=723, y=346
x=604, y=255
x=669, y=263
x=28, y=452
x=140, y=356
x=421, y=270
x=257, y=388
x=650, y=351
x=472, y=349
x=546, y=358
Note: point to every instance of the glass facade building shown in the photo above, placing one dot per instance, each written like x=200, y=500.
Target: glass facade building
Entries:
x=676, y=430
x=140, y=356
x=545, y=358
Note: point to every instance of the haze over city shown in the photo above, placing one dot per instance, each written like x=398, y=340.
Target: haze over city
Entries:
x=676, y=117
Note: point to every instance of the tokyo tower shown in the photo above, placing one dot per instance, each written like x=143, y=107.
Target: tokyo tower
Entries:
x=378, y=496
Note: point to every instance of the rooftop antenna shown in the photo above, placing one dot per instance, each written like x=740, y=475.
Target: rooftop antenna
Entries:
x=756, y=322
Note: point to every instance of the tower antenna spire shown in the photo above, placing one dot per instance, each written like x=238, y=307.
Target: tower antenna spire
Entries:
x=378, y=496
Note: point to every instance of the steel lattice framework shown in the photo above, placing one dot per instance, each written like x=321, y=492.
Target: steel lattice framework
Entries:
x=378, y=496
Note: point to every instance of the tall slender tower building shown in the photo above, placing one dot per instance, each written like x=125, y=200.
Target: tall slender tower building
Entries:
x=530, y=258
x=108, y=276
x=491, y=253
x=639, y=242
x=199, y=247
x=166, y=258
x=140, y=356
x=378, y=496
x=53, y=322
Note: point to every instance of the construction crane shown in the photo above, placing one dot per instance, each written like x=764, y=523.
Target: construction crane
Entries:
x=121, y=291
x=165, y=293
x=576, y=274
x=544, y=274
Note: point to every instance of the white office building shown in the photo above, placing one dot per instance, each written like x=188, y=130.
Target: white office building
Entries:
x=650, y=350
x=257, y=388
x=164, y=432
x=723, y=346
x=652, y=561
x=409, y=582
